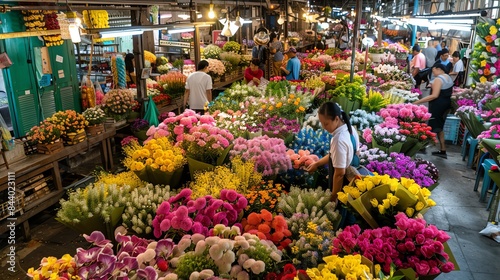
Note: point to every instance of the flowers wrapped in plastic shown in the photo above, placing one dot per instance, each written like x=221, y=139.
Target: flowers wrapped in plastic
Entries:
x=414, y=247
x=378, y=198
x=156, y=162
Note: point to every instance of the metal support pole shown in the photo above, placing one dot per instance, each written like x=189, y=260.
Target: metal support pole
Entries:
x=355, y=37
x=414, y=28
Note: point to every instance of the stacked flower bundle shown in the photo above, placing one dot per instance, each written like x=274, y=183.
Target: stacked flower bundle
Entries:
x=117, y=103
x=412, y=244
x=173, y=83
x=182, y=214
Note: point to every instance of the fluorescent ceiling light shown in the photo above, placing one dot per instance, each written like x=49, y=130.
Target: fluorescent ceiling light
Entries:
x=116, y=33
x=165, y=15
x=183, y=16
x=450, y=27
x=180, y=30
x=453, y=21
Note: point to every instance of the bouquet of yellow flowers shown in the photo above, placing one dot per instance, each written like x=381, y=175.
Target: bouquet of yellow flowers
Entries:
x=157, y=162
x=149, y=56
x=347, y=267
x=46, y=133
x=378, y=198
x=53, y=268
x=70, y=120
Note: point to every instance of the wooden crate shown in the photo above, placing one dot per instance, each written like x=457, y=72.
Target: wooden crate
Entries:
x=16, y=154
x=51, y=148
x=75, y=138
x=94, y=130
x=18, y=204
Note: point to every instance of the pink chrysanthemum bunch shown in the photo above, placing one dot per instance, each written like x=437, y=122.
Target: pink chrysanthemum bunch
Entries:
x=185, y=215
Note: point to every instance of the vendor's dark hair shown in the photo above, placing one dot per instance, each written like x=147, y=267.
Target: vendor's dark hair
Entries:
x=456, y=54
x=255, y=61
x=129, y=62
x=332, y=110
x=202, y=65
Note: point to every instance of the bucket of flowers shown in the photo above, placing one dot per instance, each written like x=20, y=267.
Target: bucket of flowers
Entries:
x=216, y=69
x=139, y=128
x=74, y=126
x=157, y=162
x=173, y=83
x=118, y=103
x=95, y=117
x=47, y=137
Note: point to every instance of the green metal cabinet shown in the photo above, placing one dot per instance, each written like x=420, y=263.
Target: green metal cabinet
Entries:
x=28, y=102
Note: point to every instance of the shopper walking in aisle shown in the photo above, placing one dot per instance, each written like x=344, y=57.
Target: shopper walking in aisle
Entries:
x=439, y=104
x=198, y=88
x=292, y=67
x=253, y=74
x=276, y=50
x=341, y=155
x=430, y=54
x=458, y=72
x=417, y=65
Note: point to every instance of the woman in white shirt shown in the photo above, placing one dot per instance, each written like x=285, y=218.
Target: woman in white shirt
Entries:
x=343, y=147
x=458, y=71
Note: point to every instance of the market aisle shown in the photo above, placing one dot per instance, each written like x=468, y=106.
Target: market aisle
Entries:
x=458, y=212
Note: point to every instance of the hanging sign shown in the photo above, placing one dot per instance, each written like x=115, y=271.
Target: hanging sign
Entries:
x=174, y=44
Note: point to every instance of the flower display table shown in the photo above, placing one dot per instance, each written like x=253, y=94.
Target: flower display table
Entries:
x=35, y=170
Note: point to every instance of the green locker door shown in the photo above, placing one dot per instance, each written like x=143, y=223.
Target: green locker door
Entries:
x=21, y=84
x=64, y=75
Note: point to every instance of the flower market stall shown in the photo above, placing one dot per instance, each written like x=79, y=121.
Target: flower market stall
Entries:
x=225, y=195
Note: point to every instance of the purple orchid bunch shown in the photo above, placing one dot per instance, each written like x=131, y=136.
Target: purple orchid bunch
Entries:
x=185, y=215
x=281, y=126
x=268, y=154
x=136, y=257
x=399, y=165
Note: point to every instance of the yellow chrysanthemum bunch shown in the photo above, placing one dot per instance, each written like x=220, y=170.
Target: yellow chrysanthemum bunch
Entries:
x=52, y=268
x=149, y=56
x=121, y=179
x=157, y=153
x=335, y=267
x=239, y=177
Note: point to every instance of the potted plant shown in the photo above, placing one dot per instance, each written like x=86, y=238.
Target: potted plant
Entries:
x=376, y=54
x=139, y=128
x=47, y=137
x=117, y=103
x=95, y=116
x=73, y=124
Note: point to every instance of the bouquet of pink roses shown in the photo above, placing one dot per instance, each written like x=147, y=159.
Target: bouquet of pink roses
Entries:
x=406, y=112
x=411, y=245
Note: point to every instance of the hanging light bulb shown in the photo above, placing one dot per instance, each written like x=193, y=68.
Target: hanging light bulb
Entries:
x=226, y=31
x=211, y=13
x=238, y=19
x=281, y=20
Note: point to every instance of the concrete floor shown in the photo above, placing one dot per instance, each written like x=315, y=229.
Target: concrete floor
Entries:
x=458, y=212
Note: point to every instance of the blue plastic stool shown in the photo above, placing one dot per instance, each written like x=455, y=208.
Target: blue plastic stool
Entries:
x=494, y=190
x=480, y=170
x=472, y=150
x=487, y=164
x=464, y=150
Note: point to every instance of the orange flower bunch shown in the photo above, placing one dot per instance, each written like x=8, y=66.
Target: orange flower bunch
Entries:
x=267, y=227
x=173, y=83
x=301, y=159
x=264, y=196
x=70, y=120
x=46, y=133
